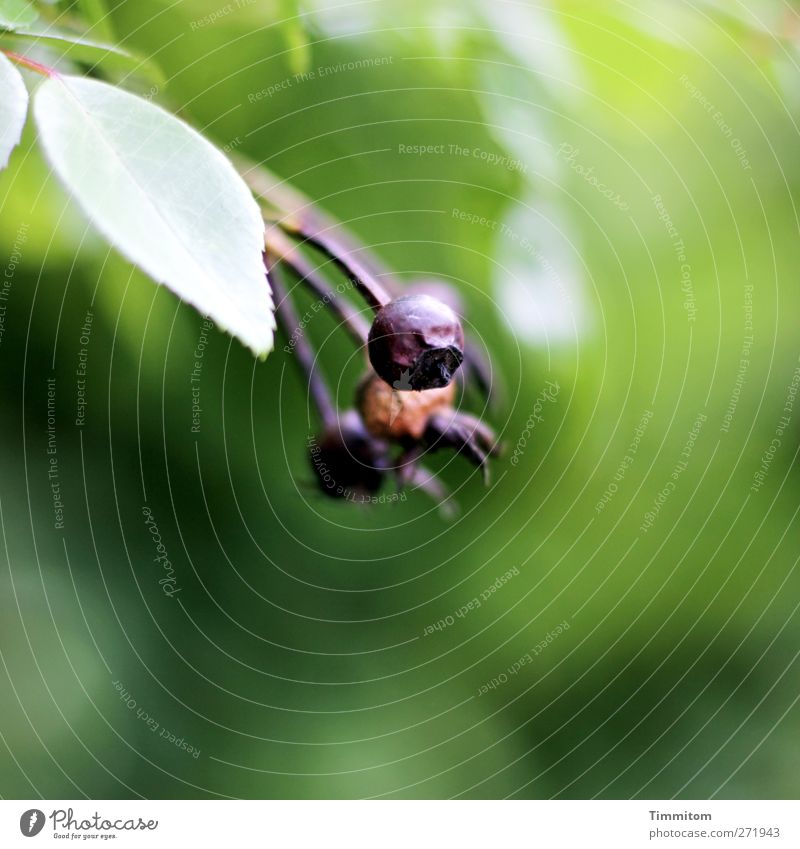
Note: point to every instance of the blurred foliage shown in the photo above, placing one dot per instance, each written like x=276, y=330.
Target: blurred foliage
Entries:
x=293, y=656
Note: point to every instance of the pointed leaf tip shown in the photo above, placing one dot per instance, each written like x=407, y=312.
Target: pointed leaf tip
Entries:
x=164, y=196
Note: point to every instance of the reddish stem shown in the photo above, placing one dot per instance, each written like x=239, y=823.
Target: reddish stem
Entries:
x=283, y=250
x=31, y=64
x=371, y=290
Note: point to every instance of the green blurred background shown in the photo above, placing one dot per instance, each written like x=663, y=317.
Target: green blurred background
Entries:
x=637, y=169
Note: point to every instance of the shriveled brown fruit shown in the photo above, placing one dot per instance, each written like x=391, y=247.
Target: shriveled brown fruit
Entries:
x=391, y=414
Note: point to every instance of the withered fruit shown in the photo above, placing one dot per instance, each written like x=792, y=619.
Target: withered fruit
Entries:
x=416, y=342
x=393, y=414
x=347, y=460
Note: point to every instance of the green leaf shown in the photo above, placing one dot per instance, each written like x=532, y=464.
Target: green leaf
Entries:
x=82, y=49
x=165, y=197
x=16, y=13
x=13, y=108
x=96, y=15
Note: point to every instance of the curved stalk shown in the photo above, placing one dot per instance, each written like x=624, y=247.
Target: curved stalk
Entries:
x=284, y=251
x=371, y=290
x=287, y=316
x=297, y=216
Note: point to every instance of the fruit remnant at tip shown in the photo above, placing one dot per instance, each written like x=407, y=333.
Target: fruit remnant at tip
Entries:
x=416, y=342
x=347, y=460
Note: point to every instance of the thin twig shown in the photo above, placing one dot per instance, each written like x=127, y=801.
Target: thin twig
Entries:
x=372, y=291
x=303, y=351
x=429, y=483
x=297, y=216
x=286, y=252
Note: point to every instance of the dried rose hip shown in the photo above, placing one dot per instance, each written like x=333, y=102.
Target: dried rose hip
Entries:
x=416, y=342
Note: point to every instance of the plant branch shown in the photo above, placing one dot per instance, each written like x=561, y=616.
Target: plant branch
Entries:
x=422, y=478
x=371, y=290
x=297, y=216
x=303, y=351
x=287, y=253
